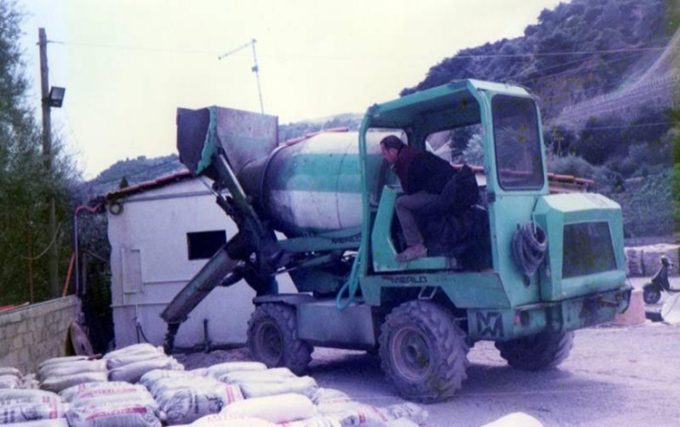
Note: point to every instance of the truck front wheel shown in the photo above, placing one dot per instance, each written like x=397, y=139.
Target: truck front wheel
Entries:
x=423, y=352
x=273, y=340
x=541, y=351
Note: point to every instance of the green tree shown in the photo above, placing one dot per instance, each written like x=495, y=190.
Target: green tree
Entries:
x=26, y=185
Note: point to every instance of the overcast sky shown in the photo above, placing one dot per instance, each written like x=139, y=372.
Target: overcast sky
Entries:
x=128, y=64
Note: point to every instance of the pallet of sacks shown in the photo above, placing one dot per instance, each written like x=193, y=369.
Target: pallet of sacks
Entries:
x=645, y=261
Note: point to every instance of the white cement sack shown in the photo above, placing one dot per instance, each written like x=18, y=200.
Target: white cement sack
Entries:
x=57, y=384
x=58, y=422
x=201, y=372
x=169, y=384
x=634, y=262
x=267, y=376
x=401, y=422
x=301, y=385
x=127, y=359
x=31, y=411
x=224, y=420
x=154, y=375
x=70, y=368
x=277, y=409
x=134, y=371
x=368, y=415
x=17, y=396
x=318, y=421
x=116, y=414
x=139, y=397
x=9, y=381
x=329, y=395
x=133, y=349
x=186, y=405
x=97, y=389
x=10, y=371
x=515, y=419
x=220, y=369
x=670, y=311
x=65, y=359
x=29, y=382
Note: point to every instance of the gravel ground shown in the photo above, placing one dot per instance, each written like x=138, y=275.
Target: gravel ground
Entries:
x=615, y=376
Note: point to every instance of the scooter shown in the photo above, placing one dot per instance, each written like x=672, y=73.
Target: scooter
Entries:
x=651, y=292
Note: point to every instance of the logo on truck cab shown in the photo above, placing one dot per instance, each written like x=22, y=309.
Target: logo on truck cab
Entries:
x=490, y=324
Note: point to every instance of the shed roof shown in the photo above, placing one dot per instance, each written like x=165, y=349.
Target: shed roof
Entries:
x=149, y=185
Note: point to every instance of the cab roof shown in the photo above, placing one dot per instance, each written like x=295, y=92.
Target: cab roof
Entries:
x=456, y=97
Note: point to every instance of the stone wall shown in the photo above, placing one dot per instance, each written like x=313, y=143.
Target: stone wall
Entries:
x=33, y=333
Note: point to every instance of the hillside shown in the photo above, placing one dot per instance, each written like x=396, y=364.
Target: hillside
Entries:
x=576, y=51
x=604, y=73
x=132, y=171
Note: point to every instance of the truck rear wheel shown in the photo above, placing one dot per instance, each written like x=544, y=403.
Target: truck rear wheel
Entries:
x=423, y=352
x=541, y=351
x=273, y=340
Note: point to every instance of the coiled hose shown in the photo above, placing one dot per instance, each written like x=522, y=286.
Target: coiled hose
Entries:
x=529, y=244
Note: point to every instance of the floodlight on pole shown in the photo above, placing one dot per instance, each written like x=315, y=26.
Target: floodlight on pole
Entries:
x=255, y=68
x=56, y=96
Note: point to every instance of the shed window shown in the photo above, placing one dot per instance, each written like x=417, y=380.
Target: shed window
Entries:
x=204, y=244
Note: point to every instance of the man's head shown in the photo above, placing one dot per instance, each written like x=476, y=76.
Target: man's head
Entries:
x=390, y=146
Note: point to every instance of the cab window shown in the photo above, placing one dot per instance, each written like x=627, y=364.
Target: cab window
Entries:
x=517, y=142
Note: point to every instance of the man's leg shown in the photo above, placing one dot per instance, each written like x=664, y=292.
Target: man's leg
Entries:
x=405, y=206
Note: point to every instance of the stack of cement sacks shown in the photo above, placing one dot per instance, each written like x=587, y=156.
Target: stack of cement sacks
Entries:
x=22, y=407
x=114, y=403
x=131, y=363
x=103, y=393
x=60, y=373
x=10, y=378
x=645, y=261
x=184, y=396
x=277, y=397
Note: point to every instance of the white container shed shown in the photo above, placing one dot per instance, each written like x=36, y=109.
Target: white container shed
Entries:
x=161, y=233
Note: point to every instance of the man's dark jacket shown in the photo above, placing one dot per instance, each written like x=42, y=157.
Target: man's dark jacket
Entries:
x=422, y=171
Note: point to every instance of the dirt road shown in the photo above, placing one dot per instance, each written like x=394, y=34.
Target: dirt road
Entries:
x=614, y=377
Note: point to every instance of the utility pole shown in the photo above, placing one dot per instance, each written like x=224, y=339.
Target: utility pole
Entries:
x=53, y=255
x=255, y=68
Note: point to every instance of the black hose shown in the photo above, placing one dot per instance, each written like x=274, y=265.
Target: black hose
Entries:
x=529, y=244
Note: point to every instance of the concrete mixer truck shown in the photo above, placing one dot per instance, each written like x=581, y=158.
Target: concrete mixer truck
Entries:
x=518, y=266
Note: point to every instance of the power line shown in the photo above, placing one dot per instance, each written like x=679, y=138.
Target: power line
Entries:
x=131, y=47
x=585, y=129
x=652, y=124
x=485, y=55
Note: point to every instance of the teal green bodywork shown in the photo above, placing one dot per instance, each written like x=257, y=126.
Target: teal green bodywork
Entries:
x=553, y=213
x=520, y=305
x=334, y=201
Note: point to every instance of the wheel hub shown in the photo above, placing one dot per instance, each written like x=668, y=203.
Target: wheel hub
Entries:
x=412, y=354
x=270, y=343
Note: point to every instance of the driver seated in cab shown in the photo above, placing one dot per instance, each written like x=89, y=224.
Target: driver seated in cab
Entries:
x=423, y=176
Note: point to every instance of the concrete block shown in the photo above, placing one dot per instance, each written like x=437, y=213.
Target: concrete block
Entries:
x=23, y=327
x=9, y=359
x=4, y=348
x=635, y=314
x=14, y=316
